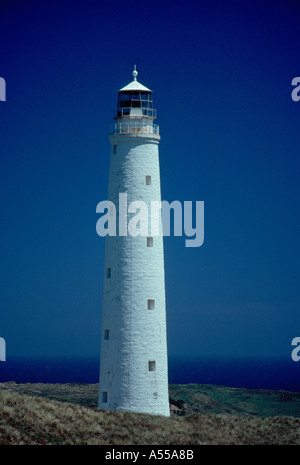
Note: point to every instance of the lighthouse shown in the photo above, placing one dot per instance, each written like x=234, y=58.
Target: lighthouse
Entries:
x=133, y=358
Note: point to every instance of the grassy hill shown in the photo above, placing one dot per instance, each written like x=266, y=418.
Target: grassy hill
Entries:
x=201, y=414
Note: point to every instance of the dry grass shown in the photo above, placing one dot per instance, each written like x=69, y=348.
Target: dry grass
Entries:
x=35, y=420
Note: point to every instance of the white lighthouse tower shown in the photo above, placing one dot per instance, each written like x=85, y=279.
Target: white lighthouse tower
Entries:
x=133, y=362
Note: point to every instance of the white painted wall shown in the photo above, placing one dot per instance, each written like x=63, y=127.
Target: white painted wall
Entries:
x=136, y=335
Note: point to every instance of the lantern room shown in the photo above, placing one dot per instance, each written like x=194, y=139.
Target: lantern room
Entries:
x=135, y=100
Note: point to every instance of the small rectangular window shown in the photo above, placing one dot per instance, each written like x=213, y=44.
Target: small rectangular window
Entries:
x=149, y=241
x=152, y=366
x=104, y=397
x=148, y=180
x=114, y=149
x=151, y=304
x=108, y=273
x=106, y=334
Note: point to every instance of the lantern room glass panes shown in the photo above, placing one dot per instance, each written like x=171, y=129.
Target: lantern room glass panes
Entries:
x=135, y=99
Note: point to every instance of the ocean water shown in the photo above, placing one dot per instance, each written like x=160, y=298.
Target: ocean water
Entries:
x=252, y=374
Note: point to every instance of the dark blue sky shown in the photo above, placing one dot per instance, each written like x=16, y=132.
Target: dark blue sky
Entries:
x=221, y=74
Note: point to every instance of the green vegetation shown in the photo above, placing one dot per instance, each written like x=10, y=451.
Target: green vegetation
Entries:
x=205, y=398
x=67, y=414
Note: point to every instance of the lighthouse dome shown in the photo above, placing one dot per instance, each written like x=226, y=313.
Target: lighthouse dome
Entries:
x=135, y=85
